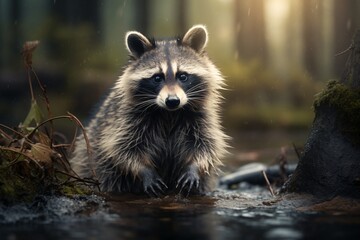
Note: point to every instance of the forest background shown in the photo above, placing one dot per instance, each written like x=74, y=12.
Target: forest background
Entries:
x=275, y=54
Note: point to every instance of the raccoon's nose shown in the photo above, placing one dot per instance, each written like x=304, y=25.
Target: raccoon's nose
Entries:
x=172, y=102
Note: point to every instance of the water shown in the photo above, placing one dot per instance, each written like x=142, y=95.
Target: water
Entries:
x=250, y=214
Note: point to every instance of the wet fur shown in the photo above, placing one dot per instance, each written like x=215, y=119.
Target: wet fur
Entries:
x=140, y=147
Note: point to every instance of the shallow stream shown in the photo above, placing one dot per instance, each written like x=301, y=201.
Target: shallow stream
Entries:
x=248, y=212
x=223, y=215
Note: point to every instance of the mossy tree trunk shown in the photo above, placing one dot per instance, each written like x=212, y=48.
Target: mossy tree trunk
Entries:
x=330, y=163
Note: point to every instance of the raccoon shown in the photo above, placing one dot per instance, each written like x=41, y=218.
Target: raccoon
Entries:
x=158, y=131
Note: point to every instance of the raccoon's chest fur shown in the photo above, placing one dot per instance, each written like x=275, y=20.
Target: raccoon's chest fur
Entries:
x=173, y=135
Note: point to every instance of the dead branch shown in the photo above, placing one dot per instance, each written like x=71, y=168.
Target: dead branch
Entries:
x=268, y=183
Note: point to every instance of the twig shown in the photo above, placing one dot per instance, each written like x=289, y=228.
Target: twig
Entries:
x=46, y=121
x=30, y=86
x=88, y=146
x=296, y=151
x=16, y=132
x=25, y=155
x=27, y=51
x=78, y=179
x=348, y=49
x=268, y=183
x=72, y=145
x=282, y=164
x=5, y=135
x=43, y=89
x=66, y=145
x=47, y=101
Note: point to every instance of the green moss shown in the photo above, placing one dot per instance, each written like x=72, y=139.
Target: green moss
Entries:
x=74, y=189
x=347, y=102
x=15, y=188
x=21, y=181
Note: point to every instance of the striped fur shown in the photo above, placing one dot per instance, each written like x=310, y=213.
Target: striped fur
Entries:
x=141, y=146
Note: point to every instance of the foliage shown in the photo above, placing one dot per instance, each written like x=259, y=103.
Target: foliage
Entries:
x=32, y=159
x=257, y=97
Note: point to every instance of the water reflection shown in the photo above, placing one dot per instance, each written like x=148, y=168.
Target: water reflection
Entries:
x=170, y=217
x=222, y=215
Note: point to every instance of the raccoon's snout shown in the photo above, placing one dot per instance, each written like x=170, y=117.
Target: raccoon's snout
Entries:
x=171, y=97
x=172, y=101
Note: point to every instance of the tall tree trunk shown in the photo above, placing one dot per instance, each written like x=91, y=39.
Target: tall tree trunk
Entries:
x=15, y=33
x=249, y=29
x=181, y=8
x=142, y=16
x=311, y=35
x=326, y=60
x=345, y=25
x=330, y=164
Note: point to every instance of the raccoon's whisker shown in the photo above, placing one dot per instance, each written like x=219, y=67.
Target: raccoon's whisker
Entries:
x=196, y=93
x=197, y=86
x=195, y=98
x=145, y=95
x=146, y=103
x=192, y=104
x=151, y=105
x=147, y=91
x=197, y=90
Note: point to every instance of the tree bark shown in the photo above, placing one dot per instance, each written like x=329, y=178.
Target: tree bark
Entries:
x=330, y=163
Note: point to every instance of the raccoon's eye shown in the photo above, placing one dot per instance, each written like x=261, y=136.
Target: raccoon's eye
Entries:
x=183, y=77
x=158, y=78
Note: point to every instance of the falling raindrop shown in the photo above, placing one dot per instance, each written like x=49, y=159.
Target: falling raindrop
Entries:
x=348, y=24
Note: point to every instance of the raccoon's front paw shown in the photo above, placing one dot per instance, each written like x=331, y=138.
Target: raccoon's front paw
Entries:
x=189, y=181
x=152, y=183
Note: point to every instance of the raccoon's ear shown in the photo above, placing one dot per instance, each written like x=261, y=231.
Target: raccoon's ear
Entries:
x=196, y=38
x=137, y=44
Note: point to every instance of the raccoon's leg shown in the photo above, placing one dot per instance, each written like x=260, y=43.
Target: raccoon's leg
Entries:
x=134, y=173
x=189, y=180
x=201, y=162
x=142, y=168
x=152, y=183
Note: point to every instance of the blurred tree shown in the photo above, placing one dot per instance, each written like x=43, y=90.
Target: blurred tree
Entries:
x=67, y=15
x=347, y=20
x=311, y=34
x=325, y=61
x=328, y=28
x=181, y=7
x=142, y=16
x=14, y=40
x=249, y=29
x=76, y=12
